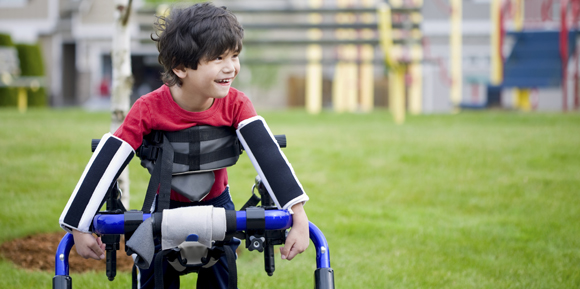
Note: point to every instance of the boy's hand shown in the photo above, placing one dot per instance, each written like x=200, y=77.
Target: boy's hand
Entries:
x=299, y=237
x=88, y=246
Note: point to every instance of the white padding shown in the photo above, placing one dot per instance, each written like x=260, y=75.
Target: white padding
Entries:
x=207, y=222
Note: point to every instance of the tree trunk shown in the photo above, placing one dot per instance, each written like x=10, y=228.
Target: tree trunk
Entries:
x=122, y=80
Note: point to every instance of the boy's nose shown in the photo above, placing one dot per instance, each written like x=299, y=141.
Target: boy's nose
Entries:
x=229, y=67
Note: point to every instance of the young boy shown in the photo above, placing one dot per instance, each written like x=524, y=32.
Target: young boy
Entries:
x=198, y=48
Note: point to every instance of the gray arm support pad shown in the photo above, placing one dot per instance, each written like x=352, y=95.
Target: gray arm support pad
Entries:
x=207, y=222
x=108, y=161
x=270, y=162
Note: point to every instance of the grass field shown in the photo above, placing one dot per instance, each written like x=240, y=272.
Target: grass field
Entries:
x=474, y=200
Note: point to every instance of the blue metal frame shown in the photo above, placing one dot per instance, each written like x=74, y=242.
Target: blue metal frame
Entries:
x=62, y=252
x=319, y=241
x=274, y=220
x=115, y=223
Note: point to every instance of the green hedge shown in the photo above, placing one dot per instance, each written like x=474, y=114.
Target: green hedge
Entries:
x=31, y=64
x=6, y=40
x=8, y=96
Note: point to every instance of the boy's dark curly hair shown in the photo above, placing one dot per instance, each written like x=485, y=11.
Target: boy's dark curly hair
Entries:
x=192, y=34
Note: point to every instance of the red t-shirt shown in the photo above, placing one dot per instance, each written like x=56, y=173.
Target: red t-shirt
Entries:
x=158, y=111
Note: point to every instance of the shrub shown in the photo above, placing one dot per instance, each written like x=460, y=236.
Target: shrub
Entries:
x=8, y=95
x=31, y=64
x=6, y=40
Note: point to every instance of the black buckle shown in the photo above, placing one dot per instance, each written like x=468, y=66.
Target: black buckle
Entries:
x=148, y=152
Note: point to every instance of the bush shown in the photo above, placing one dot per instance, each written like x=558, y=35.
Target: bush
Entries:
x=31, y=64
x=6, y=40
x=8, y=95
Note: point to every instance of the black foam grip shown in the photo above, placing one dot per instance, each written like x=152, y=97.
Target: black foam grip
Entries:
x=231, y=224
x=274, y=166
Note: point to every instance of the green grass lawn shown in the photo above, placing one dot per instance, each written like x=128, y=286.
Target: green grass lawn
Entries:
x=474, y=200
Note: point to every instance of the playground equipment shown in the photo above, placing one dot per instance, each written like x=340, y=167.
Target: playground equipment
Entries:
x=356, y=31
x=402, y=59
x=540, y=54
x=261, y=227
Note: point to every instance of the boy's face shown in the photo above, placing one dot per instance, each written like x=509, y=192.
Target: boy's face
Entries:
x=213, y=77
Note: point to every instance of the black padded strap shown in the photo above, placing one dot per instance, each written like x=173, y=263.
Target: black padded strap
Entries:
x=165, y=174
x=160, y=179
x=199, y=134
x=152, y=188
x=134, y=277
x=252, y=202
x=232, y=269
x=158, y=271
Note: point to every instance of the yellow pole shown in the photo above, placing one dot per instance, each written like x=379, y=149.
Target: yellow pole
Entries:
x=337, y=87
x=415, y=68
x=456, y=53
x=523, y=99
x=367, y=81
x=396, y=71
x=386, y=32
x=345, y=94
x=351, y=96
x=416, y=89
x=519, y=14
x=521, y=95
x=314, y=67
x=496, y=61
x=314, y=79
x=366, y=76
x=22, y=99
x=397, y=94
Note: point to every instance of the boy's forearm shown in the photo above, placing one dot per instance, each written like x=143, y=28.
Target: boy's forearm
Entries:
x=299, y=216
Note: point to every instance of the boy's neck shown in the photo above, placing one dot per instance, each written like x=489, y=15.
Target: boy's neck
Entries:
x=192, y=104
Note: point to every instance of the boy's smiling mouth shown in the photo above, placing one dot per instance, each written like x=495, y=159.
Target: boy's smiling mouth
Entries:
x=224, y=81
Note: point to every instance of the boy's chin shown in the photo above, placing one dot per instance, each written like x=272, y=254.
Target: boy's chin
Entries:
x=222, y=94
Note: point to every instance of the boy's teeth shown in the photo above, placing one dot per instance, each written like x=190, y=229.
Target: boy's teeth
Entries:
x=223, y=81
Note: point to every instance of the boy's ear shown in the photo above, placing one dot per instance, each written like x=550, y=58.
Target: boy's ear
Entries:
x=180, y=71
